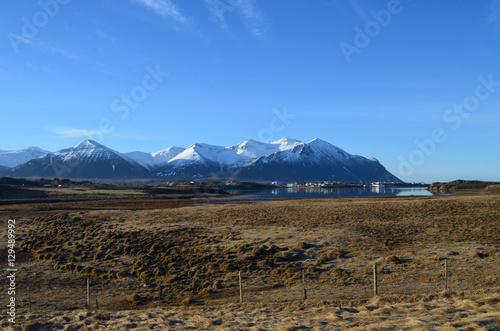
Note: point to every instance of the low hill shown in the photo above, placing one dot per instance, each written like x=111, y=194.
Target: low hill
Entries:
x=458, y=185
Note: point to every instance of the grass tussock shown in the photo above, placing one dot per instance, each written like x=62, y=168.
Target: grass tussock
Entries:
x=196, y=252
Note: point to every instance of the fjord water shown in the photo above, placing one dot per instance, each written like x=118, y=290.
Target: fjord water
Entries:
x=318, y=192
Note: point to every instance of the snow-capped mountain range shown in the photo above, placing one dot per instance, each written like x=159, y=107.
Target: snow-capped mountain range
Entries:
x=14, y=158
x=281, y=160
x=88, y=159
x=152, y=160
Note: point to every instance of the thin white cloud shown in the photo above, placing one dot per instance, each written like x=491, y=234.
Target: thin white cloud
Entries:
x=165, y=8
x=218, y=10
x=48, y=48
x=39, y=68
x=494, y=12
x=255, y=21
x=67, y=132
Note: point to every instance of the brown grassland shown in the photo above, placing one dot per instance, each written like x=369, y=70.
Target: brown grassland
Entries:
x=126, y=242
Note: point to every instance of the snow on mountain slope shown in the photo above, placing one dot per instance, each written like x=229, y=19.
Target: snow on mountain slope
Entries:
x=88, y=159
x=143, y=158
x=166, y=155
x=207, y=154
x=285, y=159
x=232, y=156
x=13, y=158
x=252, y=149
x=324, y=150
x=371, y=158
x=88, y=151
x=156, y=159
x=197, y=153
x=286, y=143
x=315, y=160
x=314, y=151
x=204, y=160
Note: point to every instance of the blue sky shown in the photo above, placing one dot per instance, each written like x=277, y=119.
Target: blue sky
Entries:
x=415, y=84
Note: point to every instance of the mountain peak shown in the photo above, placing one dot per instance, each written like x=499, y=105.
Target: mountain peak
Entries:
x=317, y=140
x=322, y=147
x=169, y=150
x=285, y=140
x=35, y=148
x=321, y=143
x=89, y=143
x=202, y=145
x=286, y=143
x=248, y=142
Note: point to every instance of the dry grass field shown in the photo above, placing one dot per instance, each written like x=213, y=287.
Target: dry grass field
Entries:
x=128, y=242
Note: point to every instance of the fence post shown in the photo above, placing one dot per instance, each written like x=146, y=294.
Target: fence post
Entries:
x=159, y=294
x=304, y=291
x=446, y=274
x=241, y=287
x=375, y=280
x=88, y=294
x=29, y=297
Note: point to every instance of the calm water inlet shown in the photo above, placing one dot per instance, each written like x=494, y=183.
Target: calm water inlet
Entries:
x=303, y=192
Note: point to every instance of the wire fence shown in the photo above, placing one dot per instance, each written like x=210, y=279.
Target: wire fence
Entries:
x=331, y=285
